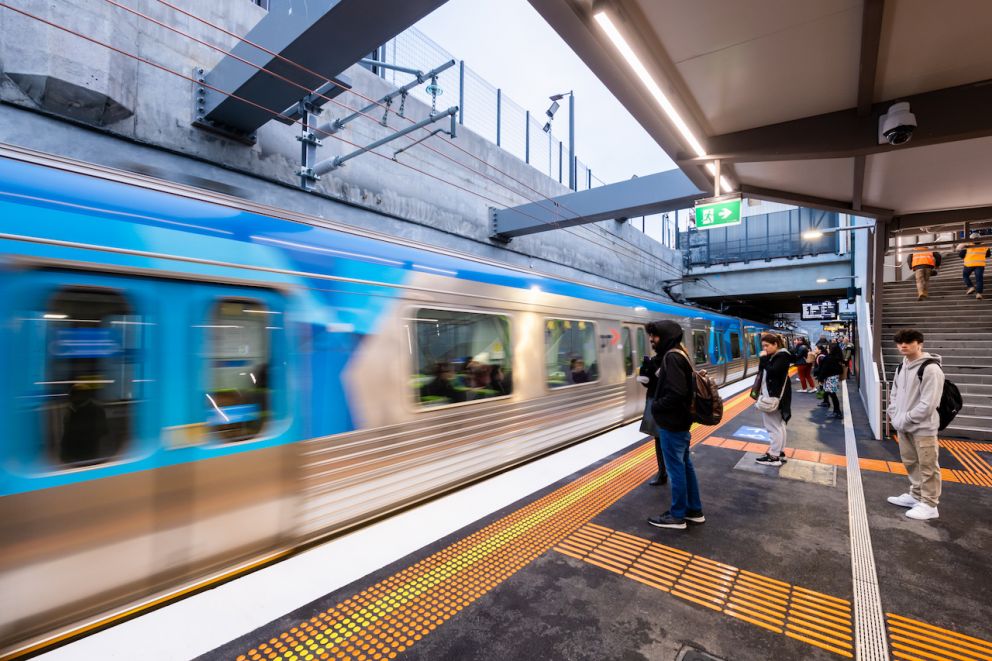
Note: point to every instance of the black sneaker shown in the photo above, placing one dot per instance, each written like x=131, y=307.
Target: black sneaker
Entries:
x=824, y=404
x=769, y=460
x=781, y=457
x=838, y=415
x=666, y=520
x=695, y=517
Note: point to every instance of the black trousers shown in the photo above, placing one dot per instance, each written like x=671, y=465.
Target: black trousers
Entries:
x=661, y=459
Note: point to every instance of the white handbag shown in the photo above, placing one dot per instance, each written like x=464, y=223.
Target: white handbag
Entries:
x=768, y=404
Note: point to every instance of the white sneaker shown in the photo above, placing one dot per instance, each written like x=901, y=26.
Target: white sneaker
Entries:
x=922, y=512
x=971, y=290
x=905, y=500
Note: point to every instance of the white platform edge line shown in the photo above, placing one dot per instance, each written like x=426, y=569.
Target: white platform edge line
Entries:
x=869, y=621
x=213, y=618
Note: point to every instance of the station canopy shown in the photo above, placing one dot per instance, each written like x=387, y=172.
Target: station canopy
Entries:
x=788, y=95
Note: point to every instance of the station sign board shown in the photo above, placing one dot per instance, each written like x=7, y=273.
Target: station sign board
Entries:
x=821, y=310
x=848, y=316
x=718, y=212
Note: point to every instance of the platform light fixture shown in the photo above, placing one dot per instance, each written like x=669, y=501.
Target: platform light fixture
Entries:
x=606, y=23
x=813, y=235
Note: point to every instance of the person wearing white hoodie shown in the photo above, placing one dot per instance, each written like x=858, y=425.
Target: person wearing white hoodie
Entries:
x=913, y=411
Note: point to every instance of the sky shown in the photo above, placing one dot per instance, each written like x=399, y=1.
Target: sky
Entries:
x=511, y=46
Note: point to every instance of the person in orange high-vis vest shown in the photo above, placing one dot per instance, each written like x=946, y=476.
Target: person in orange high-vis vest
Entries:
x=974, y=255
x=924, y=263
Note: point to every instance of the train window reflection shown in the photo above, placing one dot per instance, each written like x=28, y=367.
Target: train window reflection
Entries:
x=642, y=343
x=628, y=352
x=237, y=402
x=92, y=375
x=735, y=345
x=459, y=356
x=570, y=352
x=699, y=346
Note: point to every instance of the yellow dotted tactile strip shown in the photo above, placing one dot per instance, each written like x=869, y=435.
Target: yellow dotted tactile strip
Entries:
x=913, y=640
x=806, y=615
x=392, y=615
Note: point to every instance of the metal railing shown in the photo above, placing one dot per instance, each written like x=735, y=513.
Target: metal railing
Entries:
x=484, y=108
x=760, y=237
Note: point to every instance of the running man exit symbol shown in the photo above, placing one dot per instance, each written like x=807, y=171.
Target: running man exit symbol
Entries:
x=718, y=212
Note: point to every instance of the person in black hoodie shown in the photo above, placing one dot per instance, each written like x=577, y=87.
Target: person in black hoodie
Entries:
x=773, y=382
x=671, y=411
x=648, y=377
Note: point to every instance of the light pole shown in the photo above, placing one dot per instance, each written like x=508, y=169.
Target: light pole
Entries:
x=555, y=98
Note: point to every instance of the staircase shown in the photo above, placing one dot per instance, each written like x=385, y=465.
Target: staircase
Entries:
x=959, y=329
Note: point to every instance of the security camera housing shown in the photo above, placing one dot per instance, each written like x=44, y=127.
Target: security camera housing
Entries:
x=896, y=126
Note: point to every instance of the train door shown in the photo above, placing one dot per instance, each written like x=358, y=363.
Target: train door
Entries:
x=82, y=396
x=701, y=349
x=634, y=400
x=234, y=410
x=735, y=357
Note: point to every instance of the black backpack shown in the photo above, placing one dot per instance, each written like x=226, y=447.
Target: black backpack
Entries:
x=707, y=405
x=950, y=399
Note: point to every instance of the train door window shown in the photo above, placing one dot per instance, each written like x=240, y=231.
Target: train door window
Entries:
x=642, y=343
x=757, y=344
x=93, y=369
x=735, y=345
x=699, y=346
x=238, y=401
x=628, y=351
x=459, y=356
x=570, y=354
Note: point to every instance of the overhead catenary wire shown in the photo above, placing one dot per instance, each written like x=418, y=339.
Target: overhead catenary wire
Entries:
x=259, y=106
x=321, y=77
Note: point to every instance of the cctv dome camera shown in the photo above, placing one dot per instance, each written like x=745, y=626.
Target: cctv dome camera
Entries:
x=896, y=126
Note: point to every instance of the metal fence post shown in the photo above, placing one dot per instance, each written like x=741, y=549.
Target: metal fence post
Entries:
x=560, y=156
x=527, y=137
x=461, y=91
x=499, y=110
x=589, y=178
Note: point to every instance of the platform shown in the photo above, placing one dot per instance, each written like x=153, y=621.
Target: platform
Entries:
x=575, y=572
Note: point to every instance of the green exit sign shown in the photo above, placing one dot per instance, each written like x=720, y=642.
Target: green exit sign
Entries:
x=718, y=212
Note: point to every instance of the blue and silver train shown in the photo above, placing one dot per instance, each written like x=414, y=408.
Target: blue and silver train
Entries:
x=193, y=385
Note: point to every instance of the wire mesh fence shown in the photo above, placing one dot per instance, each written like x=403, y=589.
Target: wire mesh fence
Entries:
x=483, y=107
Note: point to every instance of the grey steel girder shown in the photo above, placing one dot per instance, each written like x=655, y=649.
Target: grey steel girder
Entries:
x=323, y=36
x=655, y=193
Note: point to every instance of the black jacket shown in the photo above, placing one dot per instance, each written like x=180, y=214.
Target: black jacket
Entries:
x=830, y=365
x=673, y=398
x=800, y=354
x=777, y=369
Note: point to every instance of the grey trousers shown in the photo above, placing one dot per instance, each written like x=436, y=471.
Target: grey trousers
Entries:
x=776, y=430
x=919, y=456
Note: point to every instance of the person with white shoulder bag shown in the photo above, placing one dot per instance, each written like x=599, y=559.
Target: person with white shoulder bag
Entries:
x=773, y=393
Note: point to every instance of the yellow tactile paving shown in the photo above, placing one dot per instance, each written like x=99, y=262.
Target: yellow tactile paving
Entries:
x=914, y=640
x=387, y=618
x=811, y=617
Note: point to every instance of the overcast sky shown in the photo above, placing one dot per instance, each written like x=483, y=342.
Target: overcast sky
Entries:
x=513, y=48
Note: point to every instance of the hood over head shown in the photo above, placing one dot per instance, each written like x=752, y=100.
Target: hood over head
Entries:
x=670, y=334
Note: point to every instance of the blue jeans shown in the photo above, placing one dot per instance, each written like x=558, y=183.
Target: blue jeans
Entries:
x=979, y=272
x=681, y=474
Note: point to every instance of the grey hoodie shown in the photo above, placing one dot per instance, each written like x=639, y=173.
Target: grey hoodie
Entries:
x=913, y=405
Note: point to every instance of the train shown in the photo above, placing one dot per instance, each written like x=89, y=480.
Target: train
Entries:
x=195, y=385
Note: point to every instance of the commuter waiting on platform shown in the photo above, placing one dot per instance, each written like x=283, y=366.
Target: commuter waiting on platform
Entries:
x=648, y=377
x=974, y=255
x=773, y=392
x=671, y=411
x=913, y=403
x=803, y=366
x=831, y=368
x=924, y=263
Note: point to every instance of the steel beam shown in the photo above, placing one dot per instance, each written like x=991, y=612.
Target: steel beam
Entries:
x=813, y=202
x=664, y=191
x=938, y=218
x=326, y=38
x=947, y=115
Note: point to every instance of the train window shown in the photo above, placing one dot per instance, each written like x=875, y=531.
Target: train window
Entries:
x=757, y=344
x=92, y=374
x=735, y=345
x=570, y=352
x=628, y=351
x=238, y=400
x=642, y=343
x=699, y=346
x=459, y=356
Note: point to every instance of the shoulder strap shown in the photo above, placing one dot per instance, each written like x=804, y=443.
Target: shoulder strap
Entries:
x=926, y=363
